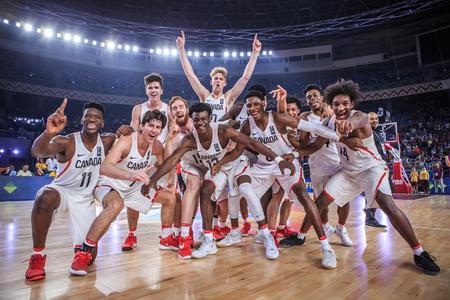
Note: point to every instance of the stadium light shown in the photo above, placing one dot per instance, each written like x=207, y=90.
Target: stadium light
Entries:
x=211, y=54
x=173, y=52
x=39, y=30
x=2, y=150
x=102, y=44
x=166, y=51
x=204, y=53
x=86, y=41
x=226, y=54
x=270, y=52
x=94, y=43
x=234, y=54
x=151, y=50
x=48, y=33
x=189, y=53
x=249, y=53
x=5, y=21
x=196, y=54
x=264, y=52
x=119, y=47
x=15, y=151
x=110, y=45
x=127, y=48
x=241, y=54
x=158, y=51
x=58, y=35
x=28, y=27
x=135, y=48
x=67, y=36
x=77, y=39
x=18, y=24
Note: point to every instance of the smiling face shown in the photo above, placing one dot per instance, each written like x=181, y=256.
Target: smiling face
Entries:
x=373, y=119
x=151, y=130
x=314, y=100
x=92, y=121
x=201, y=121
x=179, y=112
x=342, y=106
x=255, y=107
x=218, y=82
x=153, y=90
x=293, y=110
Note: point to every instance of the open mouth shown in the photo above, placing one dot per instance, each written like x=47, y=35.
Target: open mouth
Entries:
x=91, y=126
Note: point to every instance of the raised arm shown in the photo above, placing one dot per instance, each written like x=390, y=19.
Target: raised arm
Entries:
x=355, y=121
x=48, y=144
x=136, y=117
x=199, y=89
x=239, y=86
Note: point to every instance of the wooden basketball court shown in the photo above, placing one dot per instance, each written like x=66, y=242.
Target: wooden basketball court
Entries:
x=379, y=266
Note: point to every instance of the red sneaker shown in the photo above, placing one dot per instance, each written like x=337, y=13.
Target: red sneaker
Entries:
x=275, y=238
x=184, y=247
x=191, y=233
x=218, y=235
x=168, y=243
x=36, y=266
x=246, y=227
x=80, y=263
x=130, y=242
x=285, y=232
x=225, y=230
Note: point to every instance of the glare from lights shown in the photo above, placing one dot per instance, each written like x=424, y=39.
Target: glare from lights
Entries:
x=28, y=27
x=189, y=53
x=39, y=30
x=204, y=53
x=211, y=54
x=249, y=53
x=15, y=151
x=173, y=52
x=241, y=54
x=67, y=36
x=110, y=45
x=151, y=50
x=158, y=51
x=196, y=54
x=264, y=52
x=94, y=43
x=226, y=54
x=166, y=51
x=2, y=150
x=119, y=46
x=5, y=21
x=48, y=33
x=18, y=24
x=58, y=35
x=102, y=44
x=127, y=47
x=135, y=48
x=270, y=52
x=234, y=54
x=76, y=39
x=86, y=41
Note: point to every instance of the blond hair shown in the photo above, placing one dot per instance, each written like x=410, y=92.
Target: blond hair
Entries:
x=220, y=70
x=176, y=98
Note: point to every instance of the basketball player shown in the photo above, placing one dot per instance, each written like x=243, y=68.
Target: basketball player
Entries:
x=323, y=162
x=123, y=172
x=210, y=140
x=79, y=156
x=220, y=102
x=154, y=90
x=364, y=170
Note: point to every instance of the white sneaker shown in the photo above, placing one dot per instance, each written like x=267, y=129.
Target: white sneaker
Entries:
x=259, y=238
x=230, y=239
x=343, y=235
x=208, y=247
x=329, y=230
x=329, y=258
x=272, y=251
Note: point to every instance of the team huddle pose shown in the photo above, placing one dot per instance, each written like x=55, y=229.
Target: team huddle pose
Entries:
x=223, y=149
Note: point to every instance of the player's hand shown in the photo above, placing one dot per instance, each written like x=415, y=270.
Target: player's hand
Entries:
x=57, y=121
x=284, y=164
x=140, y=175
x=352, y=143
x=145, y=189
x=234, y=124
x=343, y=127
x=216, y=169
x=279, y=93
x=181, y=40
x=230, y=146
x=291, y=133
x=124, y=130
x=288, y=157
x=173, y=131
x=327, y=111
x=170, y=188
x=256, y=44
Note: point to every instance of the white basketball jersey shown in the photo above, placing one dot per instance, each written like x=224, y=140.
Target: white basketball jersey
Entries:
x=80, y=174
x=326, y=160
x=133, y=162
x=364, y=158
x=209, y=157
x=218, y=107
x=270, y=137
x=243, y=114
x=165, y=110
x=192, y=157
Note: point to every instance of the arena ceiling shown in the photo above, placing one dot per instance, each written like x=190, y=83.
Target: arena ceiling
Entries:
x=231, y=21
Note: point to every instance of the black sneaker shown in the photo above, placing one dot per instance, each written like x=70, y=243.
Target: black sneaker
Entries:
x=426, y=263
x=293, y=240
x=374, y=223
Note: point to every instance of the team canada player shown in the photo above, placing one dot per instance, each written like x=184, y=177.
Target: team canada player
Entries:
x=124, y=171
x=220, y=102
x=210, y=140
x=364, y=170
x=79, y=156
x=324, y=161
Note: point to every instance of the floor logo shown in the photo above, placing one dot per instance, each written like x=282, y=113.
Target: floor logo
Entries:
x=10, y=187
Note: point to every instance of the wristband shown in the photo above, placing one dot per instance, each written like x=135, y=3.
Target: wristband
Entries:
x=296, y=155
x=278, y=159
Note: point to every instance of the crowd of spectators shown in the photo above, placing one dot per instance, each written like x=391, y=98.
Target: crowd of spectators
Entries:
x=43, y=167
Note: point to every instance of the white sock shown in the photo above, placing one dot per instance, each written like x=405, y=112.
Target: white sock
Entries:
x=215, y=222
x=185, y=230
x=40, y=252
x=253, y=201
x=222, y=224
x=166, y=231
x=418, y=251
x=209, y=236
x=301, y=236
x=326, y=225
x=281, y=226
x=324, y=243
x=265, y=231
x=176, y=230
x=245, y=220
x=235, y=230
x=340, y=227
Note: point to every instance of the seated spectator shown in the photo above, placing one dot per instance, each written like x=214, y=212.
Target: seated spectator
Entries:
x=51, y=164
x=438, y=178
x=12, y=171
x=414, y=179
x=41, y=165
x=39, y=172
x=423, y=180
x=25, y=171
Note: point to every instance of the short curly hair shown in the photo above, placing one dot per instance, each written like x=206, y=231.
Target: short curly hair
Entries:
x=343, y=87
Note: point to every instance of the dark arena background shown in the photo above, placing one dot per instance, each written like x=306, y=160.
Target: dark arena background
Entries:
x=398, y=52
